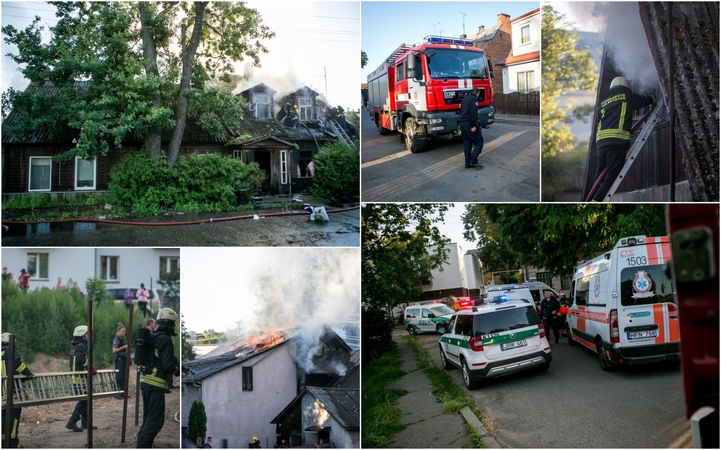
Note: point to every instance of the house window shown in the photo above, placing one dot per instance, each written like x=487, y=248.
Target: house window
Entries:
x=169, y=267
x=261, y=104
x=247, y=378
x=283, y=167
x=526, y=81
x=38, y=266
x=84, y=173
x=526, y=34
x=109, y=268
x=238, y=154
x=306, y=156
x=40, y=173
x=305, y=108
x=566, y=281
x=544, y=277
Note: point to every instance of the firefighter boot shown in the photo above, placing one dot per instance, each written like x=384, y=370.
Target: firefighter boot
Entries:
x=73, y=424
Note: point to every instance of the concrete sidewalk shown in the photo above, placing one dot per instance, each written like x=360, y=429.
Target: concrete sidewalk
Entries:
x=517, y=119
x=428, y=425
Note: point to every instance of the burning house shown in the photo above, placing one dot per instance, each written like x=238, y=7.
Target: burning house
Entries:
x=678, y=154
x=249, y=385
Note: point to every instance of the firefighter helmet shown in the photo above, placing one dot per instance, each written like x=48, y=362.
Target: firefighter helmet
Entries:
x=255, y=439
x=80, y=331
x=619, y=81
x=6, y=338
x=167, y=315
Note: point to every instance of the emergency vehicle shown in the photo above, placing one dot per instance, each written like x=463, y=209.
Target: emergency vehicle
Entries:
x=622, y=304
x=418, y=89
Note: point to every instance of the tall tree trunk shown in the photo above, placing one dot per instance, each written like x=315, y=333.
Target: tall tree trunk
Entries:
x=150, y=61
x=188, y=54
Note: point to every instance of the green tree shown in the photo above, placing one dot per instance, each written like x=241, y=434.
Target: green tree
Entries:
x=337, y=177
x=149, y=63
x=493, y=247
x=364, y=59
x=565, y=68
x=555, y=237
x=95, y=289
x=187, y=348
x=197, y=421
x=400, y=245
x=564, y=172
x=171, y=290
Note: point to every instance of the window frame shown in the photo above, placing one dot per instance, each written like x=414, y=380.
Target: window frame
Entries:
x=284, y=167
x=30, y=174
x=261, y=96
x=105, y=268
x=163, y=274
x=302, y=164
x=95, y=175
x=526, y=37
x=38, y=265
x=247, y=378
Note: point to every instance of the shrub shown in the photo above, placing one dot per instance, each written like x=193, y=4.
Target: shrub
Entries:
x=337, y=177
x=197, y=421
x=142, y=183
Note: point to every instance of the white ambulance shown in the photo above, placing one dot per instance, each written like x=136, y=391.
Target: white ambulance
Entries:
x=622, y=304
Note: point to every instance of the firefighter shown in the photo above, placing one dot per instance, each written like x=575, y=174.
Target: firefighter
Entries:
x=79, y=363
x=255, y=443
x=613, y=135
x=22, y=369
x=157, y=377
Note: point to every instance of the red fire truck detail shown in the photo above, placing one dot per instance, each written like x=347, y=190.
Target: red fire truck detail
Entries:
x=418, y=89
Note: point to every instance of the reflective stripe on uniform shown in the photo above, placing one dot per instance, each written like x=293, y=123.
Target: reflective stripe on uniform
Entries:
x=152, y=379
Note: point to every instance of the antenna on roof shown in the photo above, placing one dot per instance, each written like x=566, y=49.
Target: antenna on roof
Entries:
x=464, y=21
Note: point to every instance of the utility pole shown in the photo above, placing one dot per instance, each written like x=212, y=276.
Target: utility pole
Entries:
x=464, y=21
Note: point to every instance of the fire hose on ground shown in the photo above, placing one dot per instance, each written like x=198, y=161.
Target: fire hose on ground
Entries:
x=165, y=224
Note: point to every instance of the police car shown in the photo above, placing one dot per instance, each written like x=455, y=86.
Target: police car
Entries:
x=431, y=318
x=500, y=337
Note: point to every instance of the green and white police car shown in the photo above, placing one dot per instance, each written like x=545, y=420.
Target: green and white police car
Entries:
x=427, y=318
x=497, y=338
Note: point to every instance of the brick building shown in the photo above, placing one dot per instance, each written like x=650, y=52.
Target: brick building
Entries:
x=495, y=41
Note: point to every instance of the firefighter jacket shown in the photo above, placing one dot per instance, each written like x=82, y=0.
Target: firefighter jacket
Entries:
x=615, y=115
x=78, y=359
x=19, y=365
x=159, y=374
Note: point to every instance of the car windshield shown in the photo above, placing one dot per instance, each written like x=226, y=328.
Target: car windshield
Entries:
x=456, y=63
x=505, y=320
x=441, y=310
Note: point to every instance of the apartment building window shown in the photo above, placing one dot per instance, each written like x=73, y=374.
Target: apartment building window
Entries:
x=526, y=81
x=38, y=266
x=109, y=268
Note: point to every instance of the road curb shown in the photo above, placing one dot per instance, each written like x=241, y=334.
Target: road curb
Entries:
x=480, y=429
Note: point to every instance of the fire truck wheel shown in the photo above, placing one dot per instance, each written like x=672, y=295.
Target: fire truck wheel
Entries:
x=414, y=134
x=602, y=360
x=381, y=130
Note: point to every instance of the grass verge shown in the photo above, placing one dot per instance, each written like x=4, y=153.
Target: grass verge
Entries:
x=447, y=392
x=379, y=416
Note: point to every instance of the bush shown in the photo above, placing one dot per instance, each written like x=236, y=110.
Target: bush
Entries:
x=337, y=177
x=197, y=421
x=142, y=183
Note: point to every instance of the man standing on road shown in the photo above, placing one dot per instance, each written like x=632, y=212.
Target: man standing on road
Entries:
x=470, y=129
x=549, y=310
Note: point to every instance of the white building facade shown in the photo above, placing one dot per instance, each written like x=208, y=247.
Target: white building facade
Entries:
x=461, y=275
x=522, y=67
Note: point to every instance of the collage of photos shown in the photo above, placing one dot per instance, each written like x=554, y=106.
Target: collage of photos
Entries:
x=519, y=212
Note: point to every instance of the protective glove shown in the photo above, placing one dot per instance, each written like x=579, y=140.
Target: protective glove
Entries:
x=28, y=375
x=95, y=371
x=654, y=100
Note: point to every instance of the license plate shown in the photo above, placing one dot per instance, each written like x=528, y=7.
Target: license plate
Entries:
x=642, y=334
x=514, y=344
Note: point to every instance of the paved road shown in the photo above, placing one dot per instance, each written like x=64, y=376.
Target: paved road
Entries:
x=511, y=160
x=576, y=404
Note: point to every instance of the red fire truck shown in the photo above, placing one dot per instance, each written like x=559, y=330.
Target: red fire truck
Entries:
x=418, y=89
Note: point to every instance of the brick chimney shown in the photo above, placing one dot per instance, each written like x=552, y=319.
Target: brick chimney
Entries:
x=481, y=28
x=503, y=19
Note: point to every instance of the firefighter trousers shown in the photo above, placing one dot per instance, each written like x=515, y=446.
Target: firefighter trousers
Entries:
x=153, y=416
x=612, y=157
x=14, y=441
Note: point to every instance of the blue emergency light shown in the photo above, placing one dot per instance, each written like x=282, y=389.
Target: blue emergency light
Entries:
x=447, y=40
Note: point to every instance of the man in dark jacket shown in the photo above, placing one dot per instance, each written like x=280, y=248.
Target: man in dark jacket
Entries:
x=470, y=129
x=156, y=378
x=613, y=134
x=549, y=310
x=20, y=368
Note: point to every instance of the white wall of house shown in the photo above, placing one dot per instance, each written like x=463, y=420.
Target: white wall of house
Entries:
x=510, y=76
x=238, y=415
x=532, y=23
x=120, y=267
x=460, y=270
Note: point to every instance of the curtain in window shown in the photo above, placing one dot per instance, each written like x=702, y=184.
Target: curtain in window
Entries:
x=40, y=169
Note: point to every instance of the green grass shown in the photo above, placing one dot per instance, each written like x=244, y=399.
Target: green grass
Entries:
x=380, y=418
x=448, y=392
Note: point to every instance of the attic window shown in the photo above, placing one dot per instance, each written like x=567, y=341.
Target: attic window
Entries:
x=305, y=108
x=247, y=378
x=526, y=34
x=261, y=106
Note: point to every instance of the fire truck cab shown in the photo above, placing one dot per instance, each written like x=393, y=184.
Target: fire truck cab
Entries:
x=622, y=304
x=418, y=89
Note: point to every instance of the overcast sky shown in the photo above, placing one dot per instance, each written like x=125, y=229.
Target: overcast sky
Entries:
x=315, y=42
x=386, y=25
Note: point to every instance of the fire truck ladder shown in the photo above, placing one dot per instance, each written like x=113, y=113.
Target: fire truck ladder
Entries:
x=55, y=387
x=337, y=129
x=635, y=149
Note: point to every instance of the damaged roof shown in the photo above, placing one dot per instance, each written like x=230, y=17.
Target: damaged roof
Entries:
x=202, y=368
x=342, y=404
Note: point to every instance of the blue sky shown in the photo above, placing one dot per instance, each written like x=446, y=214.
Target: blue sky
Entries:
x=386, y=25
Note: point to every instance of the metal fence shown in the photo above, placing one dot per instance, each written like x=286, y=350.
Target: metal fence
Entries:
x=518, y=103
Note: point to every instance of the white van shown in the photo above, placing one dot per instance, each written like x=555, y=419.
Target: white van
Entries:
x=536, y=289
x=622, y=304
x=428, y=318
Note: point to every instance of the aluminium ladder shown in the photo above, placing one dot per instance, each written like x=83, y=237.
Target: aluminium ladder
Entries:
x=337, y=129
x=54, y=387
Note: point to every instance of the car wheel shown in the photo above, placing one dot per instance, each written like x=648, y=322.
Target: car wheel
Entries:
x=571, y=342
x=412, y=330
x=441, y=329
x=444, y=361
x=470, y=384
x=602, y=360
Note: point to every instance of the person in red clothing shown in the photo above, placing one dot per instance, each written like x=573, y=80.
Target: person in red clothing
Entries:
x=24, y=279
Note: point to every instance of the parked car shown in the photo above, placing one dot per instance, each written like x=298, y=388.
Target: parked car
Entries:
x=497, y=338
x=428, y=318
x=154, y=301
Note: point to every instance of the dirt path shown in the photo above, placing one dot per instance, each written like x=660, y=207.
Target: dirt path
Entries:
x=44, y=426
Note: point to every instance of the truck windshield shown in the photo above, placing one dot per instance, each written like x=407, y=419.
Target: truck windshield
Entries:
x=456, y=63
x=644, y=285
